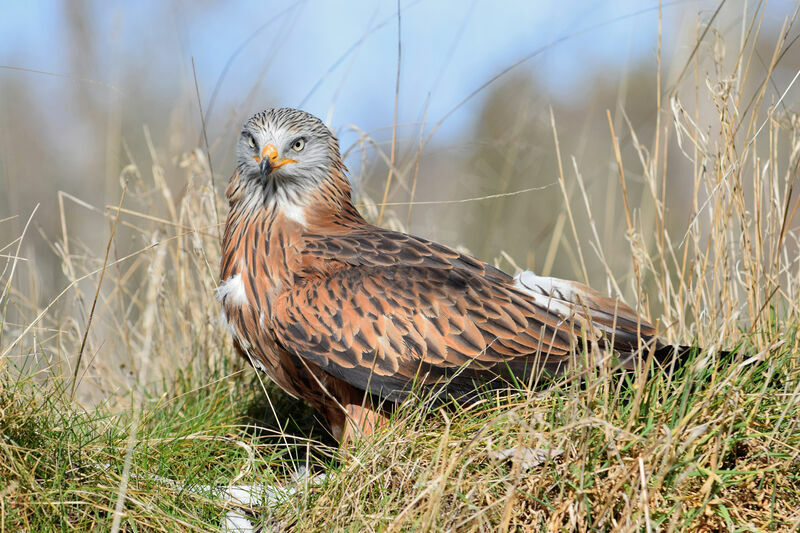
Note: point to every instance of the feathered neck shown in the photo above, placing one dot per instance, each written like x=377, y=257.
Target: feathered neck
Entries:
x=326, y=203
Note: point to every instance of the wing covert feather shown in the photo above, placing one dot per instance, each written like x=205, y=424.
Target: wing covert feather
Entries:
x=393, y=325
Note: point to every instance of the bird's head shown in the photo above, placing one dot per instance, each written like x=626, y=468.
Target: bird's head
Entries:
x=287, y=152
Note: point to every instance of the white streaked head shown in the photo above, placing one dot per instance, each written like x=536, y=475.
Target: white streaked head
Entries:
x=286, y=152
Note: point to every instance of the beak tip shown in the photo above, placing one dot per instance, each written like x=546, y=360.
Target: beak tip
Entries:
x=265, y=167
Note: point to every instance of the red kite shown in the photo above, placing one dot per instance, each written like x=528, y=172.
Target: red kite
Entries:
x=345, y=314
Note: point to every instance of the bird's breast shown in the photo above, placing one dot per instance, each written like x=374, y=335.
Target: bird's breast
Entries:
x=259, y=255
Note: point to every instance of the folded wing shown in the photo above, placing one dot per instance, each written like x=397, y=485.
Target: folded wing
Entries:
x=445, y=319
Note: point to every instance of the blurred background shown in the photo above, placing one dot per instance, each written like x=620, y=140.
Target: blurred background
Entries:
x=96, y=93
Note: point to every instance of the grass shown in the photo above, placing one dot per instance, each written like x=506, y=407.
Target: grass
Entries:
x=699, y=449
x=156, y=406
x=62, y=467
x=715, y=444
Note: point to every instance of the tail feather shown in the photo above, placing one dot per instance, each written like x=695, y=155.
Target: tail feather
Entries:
x=615, y=326
x=667, y=354
x=678, y=355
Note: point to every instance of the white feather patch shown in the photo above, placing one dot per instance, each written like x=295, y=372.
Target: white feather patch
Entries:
x=232, y=291
x=557, y=288
x=294, y=212
x=555, y=294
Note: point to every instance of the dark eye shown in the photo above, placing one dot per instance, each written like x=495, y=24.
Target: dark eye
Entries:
x=299, y=144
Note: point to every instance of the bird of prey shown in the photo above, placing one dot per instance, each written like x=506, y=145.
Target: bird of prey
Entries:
x=347, y=315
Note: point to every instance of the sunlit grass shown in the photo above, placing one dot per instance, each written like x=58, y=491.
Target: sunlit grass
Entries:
x=62, y=466
x=714, y=444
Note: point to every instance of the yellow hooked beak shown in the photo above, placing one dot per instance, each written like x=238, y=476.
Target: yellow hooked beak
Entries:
x=270, y=154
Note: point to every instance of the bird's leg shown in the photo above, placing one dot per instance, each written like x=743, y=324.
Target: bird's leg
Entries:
x=352, y=414
x=362, y=420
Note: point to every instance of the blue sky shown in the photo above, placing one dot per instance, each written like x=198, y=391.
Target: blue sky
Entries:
x=339, y=60
x=448, y=48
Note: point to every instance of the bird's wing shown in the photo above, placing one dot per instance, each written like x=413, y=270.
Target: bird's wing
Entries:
x=382, y=327
x=379, y=247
